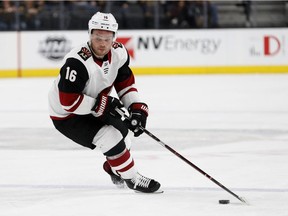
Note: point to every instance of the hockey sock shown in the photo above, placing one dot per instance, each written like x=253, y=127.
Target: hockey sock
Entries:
x=123, y=164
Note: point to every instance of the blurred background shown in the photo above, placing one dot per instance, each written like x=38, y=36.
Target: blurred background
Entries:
x=74, y=15
x=162, y=37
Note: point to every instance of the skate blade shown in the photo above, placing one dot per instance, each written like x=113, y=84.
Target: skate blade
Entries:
x=120, y=186
x=155, y=192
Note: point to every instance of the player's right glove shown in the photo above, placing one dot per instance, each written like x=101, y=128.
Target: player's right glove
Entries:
x=104, y=108
x=138, y=117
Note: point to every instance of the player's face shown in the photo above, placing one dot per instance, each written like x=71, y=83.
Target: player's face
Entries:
x=101, y=42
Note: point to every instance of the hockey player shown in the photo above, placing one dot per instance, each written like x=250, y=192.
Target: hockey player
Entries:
x=82, y=109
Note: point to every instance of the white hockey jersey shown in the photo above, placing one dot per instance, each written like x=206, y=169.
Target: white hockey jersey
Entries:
x=83, y=77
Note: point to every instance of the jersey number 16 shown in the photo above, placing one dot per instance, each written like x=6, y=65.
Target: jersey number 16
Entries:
x=70, y=75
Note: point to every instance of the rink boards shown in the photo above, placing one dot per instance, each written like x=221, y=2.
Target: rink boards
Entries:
x=210, y=51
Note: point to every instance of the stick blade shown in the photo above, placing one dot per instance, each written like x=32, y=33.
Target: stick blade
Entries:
x=243, y=200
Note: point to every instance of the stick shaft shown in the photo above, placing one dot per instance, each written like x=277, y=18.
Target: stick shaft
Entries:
x=191, y=164
x=183, y=158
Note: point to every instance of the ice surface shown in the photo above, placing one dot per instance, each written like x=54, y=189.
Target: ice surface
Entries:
x=235, y=128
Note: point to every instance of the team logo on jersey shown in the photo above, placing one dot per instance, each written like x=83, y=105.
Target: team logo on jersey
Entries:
x=116, y=44
x=84, y=53
x=128, y=43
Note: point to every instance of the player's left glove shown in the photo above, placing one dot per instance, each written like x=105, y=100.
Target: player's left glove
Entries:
x=104, y=108
x=138, y=117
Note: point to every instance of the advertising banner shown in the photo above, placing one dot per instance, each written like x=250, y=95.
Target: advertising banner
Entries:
x=155, y=51
x=8, y=54
x=207, y=47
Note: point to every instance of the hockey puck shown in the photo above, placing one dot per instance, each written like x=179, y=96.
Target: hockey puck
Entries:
x=224, y=201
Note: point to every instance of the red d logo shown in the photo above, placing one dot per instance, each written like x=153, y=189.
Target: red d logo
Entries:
x=271, y=45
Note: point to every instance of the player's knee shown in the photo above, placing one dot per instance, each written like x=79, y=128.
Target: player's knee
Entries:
x=109, y=138
x=128, y=142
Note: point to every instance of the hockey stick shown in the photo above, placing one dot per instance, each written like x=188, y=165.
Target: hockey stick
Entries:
x=121, y=112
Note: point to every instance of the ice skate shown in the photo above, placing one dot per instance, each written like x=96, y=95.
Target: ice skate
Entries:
x=142, y=184
x=117, y=180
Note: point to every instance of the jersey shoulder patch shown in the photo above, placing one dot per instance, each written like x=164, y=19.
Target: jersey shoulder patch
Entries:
x=116, y=45
x=84, y=53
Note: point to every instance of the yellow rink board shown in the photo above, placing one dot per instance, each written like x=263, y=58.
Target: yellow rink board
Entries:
x=162, y=71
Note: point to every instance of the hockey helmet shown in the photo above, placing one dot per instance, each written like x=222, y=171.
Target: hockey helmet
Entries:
x=103, y=21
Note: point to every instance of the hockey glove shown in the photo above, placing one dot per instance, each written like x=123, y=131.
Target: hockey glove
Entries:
x=104, y=108
x=138, y=117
